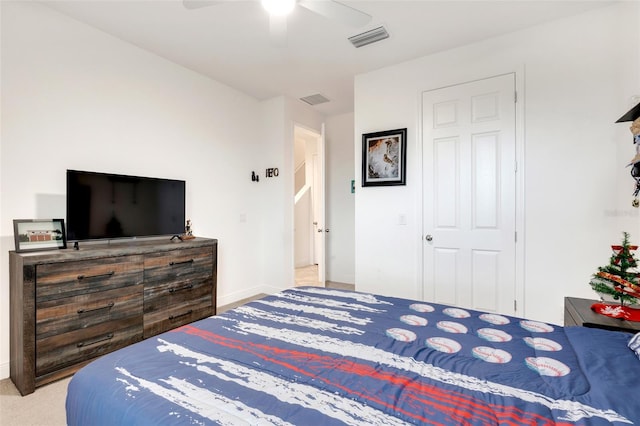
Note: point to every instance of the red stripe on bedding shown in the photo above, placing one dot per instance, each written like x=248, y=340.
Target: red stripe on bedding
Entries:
x=458, y=407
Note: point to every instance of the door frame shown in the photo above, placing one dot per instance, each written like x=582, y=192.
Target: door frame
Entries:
x=519, y=76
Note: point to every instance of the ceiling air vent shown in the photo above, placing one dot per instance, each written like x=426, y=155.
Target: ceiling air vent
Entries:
x=369, y=37
x=314, y=99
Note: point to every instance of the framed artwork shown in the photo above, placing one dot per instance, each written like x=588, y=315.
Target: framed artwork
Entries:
x=384, y=158
x=39, y=234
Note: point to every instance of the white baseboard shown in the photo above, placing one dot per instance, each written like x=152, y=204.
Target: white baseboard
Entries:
x=5, y=372
x=239, y=295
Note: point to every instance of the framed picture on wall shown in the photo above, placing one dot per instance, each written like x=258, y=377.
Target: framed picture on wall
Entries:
x=384, y=157
x=39, y=234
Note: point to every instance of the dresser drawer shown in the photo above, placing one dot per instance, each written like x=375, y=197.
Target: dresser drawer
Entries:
x=178, y=266
x=68, y=279
x=173, y=304
x=59, y=351
x=161, y=321
x=78, y=312
x=173, y=294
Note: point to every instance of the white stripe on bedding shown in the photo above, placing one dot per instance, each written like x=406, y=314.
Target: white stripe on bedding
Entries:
x=331, y=303
x=360, y=297
x=204, y=403
x=332, y=314
x=306, y=322
x=344, y=409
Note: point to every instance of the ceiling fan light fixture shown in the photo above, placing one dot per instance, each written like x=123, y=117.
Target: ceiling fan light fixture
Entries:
x=278, y=7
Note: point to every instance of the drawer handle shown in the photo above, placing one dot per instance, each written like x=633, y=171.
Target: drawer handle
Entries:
x=87, y=277
x=184, y=287
x=173, y=317
x=85, y=311
x=105, y=338
x=184, y=262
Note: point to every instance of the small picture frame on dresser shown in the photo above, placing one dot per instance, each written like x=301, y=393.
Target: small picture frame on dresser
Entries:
x=39, y=234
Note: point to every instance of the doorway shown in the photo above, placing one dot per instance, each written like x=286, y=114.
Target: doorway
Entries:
x=309, y=221
x=469, y=195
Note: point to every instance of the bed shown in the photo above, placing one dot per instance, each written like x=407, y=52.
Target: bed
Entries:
x=315, y=356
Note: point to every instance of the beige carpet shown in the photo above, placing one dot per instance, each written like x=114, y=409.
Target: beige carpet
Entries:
x=45, y=407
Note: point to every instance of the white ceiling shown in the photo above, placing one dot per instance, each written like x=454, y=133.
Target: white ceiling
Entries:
x=230, y=42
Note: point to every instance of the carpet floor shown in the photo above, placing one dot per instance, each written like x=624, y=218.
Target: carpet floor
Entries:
x=44, y=407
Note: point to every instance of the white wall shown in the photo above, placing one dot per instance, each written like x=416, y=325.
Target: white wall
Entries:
x=74, y=97
x=340, y=202
x=276, y=241
x=578, y=76
x=302, y=229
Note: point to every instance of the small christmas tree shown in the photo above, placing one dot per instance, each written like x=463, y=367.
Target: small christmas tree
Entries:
x=619, y=280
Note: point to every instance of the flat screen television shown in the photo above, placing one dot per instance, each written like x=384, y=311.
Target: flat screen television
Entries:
x=109, y=206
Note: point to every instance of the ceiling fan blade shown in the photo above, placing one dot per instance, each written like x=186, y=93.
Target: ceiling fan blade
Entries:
x=278, y=30
x=197, y=4
x=337, y=11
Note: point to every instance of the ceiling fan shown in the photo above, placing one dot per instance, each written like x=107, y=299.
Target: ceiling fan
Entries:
x=279, y=9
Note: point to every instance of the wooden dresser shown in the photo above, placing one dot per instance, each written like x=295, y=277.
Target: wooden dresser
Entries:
x=71, y=306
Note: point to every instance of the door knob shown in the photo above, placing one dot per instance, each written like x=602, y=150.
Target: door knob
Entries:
x=326, y=230
x=428, y=238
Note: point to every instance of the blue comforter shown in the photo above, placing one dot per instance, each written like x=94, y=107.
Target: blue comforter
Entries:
x=314, y=356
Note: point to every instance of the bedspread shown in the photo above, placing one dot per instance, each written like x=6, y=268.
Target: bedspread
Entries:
x=315, y=356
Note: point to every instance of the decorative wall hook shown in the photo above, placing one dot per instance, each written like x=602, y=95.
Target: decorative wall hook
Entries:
x=255, y=177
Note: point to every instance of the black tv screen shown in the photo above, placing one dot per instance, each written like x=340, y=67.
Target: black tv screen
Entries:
x=107, y=206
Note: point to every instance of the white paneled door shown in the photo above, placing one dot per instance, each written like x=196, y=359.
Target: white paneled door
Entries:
x=469, y=189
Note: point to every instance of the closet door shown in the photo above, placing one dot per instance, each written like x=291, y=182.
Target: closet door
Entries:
x=469, y=188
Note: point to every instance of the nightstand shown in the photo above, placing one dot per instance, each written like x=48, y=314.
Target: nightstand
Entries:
x=577, y=312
